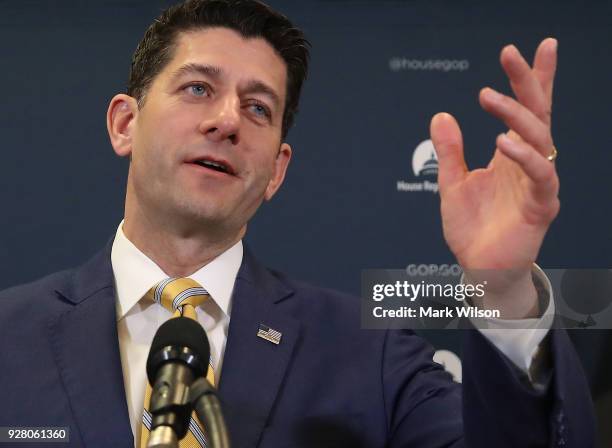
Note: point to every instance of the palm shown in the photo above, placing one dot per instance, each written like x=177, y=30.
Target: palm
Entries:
x=497, y=217
x=491, y=220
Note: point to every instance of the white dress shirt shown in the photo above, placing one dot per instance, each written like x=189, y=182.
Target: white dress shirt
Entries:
x=139, y=318
x=519, y=339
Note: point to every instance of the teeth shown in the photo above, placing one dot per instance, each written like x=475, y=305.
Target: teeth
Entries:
x=213, y=165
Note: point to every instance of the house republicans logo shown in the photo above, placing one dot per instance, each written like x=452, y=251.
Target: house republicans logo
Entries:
x=424, y=166
x=425, y=160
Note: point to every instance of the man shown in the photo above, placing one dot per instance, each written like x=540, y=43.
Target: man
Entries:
x=213, y=90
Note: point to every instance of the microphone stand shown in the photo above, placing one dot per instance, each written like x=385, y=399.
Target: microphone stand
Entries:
x=204, y=400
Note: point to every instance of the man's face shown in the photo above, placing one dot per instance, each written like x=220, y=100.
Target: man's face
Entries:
x=206, y=145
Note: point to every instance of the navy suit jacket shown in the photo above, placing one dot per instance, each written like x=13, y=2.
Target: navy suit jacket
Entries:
x=327, y=384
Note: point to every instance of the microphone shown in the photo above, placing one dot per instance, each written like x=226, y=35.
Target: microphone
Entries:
x=179, y=354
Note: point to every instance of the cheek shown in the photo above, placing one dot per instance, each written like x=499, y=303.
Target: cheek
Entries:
x=157, y=140
x=265, y=167
x=148, y=159
x=263, y=155
x=168, y=126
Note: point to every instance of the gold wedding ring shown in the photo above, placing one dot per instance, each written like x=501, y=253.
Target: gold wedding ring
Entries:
x=553, y=155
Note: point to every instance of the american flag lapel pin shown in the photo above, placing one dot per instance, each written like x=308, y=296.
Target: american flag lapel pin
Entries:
x=269, y=334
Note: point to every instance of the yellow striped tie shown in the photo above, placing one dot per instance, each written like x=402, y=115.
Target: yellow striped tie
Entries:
x=181, y=296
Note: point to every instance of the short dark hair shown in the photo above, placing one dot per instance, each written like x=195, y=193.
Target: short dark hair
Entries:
x=250, y=18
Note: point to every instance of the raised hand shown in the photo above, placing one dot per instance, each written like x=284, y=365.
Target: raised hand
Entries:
x=497, y=217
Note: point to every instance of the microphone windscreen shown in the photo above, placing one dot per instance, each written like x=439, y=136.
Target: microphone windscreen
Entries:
x=178, y=332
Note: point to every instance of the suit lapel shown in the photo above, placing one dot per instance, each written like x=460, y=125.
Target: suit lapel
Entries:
x=254, y=368
x=86, y=349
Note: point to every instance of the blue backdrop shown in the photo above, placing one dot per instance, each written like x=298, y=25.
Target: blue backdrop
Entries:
x=380, y=70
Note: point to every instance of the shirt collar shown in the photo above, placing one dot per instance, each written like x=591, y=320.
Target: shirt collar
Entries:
x=135, y=274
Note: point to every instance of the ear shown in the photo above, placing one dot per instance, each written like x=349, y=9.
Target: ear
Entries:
x=120, y=116
x=280, y=168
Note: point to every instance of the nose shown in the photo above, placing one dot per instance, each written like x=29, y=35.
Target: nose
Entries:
x=223, y=122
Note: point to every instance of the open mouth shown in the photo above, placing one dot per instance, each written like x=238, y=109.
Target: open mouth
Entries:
x=215, y=166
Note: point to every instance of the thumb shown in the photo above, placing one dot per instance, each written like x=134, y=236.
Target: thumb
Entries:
x=447, y=139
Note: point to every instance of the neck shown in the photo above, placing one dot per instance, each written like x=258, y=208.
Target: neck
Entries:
x=179, y=253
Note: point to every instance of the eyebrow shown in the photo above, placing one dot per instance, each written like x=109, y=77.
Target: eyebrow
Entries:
x=202, y=69
x=215, y=72
x=254, y=86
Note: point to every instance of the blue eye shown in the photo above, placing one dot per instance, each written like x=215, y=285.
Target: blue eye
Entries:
x=260, y=110
x=198, y=89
